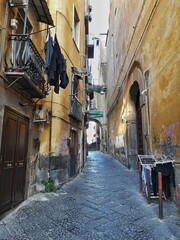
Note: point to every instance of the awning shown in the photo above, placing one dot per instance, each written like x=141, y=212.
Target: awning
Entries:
x=42, y=11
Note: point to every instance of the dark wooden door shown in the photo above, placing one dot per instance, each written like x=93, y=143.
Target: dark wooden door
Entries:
x=139, y=132
x=73, y=154
x=13, y=159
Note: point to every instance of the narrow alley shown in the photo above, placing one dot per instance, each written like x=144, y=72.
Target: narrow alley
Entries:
x=103, y=202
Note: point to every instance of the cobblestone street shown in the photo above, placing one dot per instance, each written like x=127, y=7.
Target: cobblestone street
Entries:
x=103, y=202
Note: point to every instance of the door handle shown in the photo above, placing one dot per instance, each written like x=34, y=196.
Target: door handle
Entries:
x=20, y=164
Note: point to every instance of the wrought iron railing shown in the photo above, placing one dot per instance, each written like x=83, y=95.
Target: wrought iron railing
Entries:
x=76, y=109
x=22, y=57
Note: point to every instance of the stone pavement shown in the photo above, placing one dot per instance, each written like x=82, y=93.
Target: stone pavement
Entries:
x=102, y=203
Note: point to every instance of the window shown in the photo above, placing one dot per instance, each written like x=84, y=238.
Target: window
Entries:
x=24, y=27
x=21, y=21
x=76, y=28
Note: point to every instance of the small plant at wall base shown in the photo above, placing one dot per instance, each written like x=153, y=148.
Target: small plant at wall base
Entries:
x=49, y=185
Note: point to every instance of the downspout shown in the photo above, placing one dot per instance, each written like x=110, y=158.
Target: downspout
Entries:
x=50, y=136
x=146, y=78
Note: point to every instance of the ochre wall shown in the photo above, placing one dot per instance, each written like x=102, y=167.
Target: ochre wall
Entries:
x=62, y=13
x=54, y=133
x=146, y=33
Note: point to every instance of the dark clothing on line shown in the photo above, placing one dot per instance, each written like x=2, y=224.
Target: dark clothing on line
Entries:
x=167, y=171
x=56, y=66
x=64, y=76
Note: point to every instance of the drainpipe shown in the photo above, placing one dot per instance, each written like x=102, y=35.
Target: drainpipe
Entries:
x=50, y=136
x=146, y=78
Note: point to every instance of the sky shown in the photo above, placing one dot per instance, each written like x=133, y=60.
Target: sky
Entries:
x=100, y=16
x=99, y=24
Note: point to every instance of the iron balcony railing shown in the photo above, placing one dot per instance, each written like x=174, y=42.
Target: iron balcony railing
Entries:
x=24, y=66
x=76, y=109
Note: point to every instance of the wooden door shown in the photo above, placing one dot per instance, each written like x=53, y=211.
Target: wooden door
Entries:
x=73, y=153
x=13, y=159
x=139, y=132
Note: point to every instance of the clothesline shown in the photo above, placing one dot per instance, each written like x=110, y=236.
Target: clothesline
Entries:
x=166, y=167
x=46, y=29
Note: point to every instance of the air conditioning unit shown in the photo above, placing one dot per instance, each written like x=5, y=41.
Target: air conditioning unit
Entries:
x=40, y=114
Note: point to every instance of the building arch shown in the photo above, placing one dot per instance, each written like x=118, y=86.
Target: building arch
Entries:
x=95, y=134
x=136, y=121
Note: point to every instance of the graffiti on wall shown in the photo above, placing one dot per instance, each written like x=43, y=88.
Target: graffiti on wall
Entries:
x=169, y=149
x=171, y=131
x=167, y=141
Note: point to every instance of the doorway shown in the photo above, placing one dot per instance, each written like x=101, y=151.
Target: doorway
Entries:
x=135, y=126
x=135, y=98
x=13, y=159
x=73, y=153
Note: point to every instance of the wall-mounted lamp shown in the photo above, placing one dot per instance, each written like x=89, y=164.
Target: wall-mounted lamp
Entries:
x=144, y=92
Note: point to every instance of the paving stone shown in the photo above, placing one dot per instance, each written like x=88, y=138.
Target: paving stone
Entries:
x=102, y=203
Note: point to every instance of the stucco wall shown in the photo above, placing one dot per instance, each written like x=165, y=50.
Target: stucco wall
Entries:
x=55, y=134
x=51, y=135
x=146, y=32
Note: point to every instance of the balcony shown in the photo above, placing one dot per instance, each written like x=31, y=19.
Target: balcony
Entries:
x=76, y=109
x=24, y=67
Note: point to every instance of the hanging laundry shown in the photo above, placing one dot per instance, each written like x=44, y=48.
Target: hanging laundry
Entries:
x=48, y=48
x=168, y=177
x=64, y=77
x=56, y=66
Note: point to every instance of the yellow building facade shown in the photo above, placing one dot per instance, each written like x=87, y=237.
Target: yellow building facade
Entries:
x=42, y=132
x=143, y=81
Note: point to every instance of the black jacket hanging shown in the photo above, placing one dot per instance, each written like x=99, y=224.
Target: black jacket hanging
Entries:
x=56, y=66
x=64, y=77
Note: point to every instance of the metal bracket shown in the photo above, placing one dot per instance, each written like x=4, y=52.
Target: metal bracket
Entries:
x=13, y=82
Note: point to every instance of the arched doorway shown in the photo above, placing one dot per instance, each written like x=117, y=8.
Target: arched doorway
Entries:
x=94, y=135
x=134, y=128
x=135, y=97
